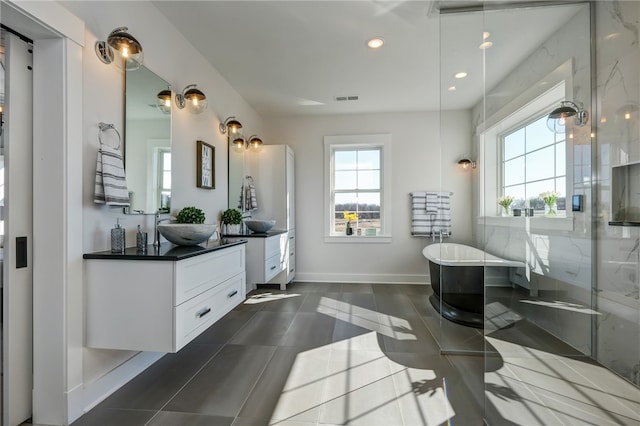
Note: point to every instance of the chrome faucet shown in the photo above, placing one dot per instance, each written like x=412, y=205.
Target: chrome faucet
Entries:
x=156, y=233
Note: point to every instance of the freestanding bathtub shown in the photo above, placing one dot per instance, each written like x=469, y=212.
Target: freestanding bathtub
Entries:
x=457, y=279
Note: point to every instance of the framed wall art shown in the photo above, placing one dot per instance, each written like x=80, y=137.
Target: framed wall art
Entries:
x=205, y=162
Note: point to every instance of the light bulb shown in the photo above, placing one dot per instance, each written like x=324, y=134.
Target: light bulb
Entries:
x=167, y=103
x=194, y=101
x=562, y=121
x=125, y=52
x=627, y=115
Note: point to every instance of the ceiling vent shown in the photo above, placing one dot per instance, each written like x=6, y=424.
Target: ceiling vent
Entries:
x=346, y=98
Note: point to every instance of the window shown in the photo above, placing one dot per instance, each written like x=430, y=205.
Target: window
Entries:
x=534, y=161
x=163, y=189
x=357, y=181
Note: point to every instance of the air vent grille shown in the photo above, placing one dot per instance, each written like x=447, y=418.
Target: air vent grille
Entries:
x=346, y=98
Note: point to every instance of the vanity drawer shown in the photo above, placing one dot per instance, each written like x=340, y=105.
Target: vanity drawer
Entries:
x=275, y=246
x=195, y=315
x=200, y=273
x=272, y=266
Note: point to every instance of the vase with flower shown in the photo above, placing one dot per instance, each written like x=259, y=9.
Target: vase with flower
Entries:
x=505, y=202
x=550, y=199
x=350, y=217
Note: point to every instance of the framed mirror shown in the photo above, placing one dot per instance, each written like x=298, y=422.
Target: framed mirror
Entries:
x=147, y=141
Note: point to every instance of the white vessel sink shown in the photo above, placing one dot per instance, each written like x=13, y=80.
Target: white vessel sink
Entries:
x=260, y=226
x=186, y=234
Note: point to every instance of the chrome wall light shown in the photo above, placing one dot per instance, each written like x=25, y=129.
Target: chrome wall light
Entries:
x=192, y=99
x=232, y=124
x=466, y=162
x=163, y=101
x=121, y=48
x=557, y=119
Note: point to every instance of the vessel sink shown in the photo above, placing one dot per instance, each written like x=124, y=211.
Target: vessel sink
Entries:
x=186, y=234
x=260, y=226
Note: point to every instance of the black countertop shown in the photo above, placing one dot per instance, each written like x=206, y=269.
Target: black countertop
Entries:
x=166, y=251
x=252, y=234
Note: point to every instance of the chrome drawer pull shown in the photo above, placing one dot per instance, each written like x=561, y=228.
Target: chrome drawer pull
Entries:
x=291, y=254
x=291, y=270
x=233, y=293
x=203, y=312
x=291, y=238
x=273, y=267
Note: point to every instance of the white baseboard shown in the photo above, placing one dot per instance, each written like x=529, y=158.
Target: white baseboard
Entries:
x=362, y=278
x=84, y=398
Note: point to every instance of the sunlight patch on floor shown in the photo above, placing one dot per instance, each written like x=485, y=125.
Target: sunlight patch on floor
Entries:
x=388, y=325
x=268, y=297
x=336, y=385
x=538, y=388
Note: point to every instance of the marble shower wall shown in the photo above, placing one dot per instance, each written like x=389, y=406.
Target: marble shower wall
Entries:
x=618, y=142
x=558, y=251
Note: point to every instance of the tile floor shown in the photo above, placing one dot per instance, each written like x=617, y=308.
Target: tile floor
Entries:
x=357, y=354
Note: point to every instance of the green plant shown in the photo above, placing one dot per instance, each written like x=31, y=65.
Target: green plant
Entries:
x=190, y=215
x=232, y=217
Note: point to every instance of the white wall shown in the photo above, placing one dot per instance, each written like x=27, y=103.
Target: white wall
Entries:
x=422, y=159
x=170, y=56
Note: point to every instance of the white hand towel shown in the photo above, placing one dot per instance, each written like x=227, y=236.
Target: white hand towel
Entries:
x=111, y=182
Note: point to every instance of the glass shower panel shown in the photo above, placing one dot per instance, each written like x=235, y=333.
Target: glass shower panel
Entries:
x=458, y=298
x=538, y=312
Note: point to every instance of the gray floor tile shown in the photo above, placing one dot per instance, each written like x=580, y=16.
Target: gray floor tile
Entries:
x=309, y=330
x=408, y=335
x=170, y=418
x=225, y=328
x=155, y=386
x=290, y=387
x=397, y=305
x=358, y=300
x=315, y=302
x=221, y=388
x=264, y=328
x=357, y=288
x=305, y=287
x=113, y=416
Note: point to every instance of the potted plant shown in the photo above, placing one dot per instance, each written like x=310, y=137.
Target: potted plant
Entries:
x=505, y=203
x=350, y=217
x=190, y=215
x=232, y=218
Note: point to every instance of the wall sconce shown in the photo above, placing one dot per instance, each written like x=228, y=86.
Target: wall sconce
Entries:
x=230, y=123
x=163, y=101
x=467, y=163
x=253, y=143
x=193, y=99
x=122, y=44
x=557, y=120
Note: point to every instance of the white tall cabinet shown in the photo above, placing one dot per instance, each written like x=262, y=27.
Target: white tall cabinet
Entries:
x=273, y=171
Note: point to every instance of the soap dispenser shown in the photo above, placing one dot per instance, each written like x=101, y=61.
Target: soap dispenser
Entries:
x=117, y=238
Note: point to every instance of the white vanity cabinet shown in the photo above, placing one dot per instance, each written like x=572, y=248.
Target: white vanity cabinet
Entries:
x=267, y=259
x=160, y=305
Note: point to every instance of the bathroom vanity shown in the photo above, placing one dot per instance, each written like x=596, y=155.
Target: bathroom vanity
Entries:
x=162, y=299
x=270, y=257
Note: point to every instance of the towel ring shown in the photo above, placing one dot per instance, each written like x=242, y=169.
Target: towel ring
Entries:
x=103, y=127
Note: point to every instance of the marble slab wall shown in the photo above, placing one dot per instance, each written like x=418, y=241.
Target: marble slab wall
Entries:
x=617, y=124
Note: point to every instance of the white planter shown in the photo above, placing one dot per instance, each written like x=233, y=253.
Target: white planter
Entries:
x=233, y=229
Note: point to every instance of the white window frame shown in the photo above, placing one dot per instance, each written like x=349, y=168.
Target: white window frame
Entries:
x=378, y=141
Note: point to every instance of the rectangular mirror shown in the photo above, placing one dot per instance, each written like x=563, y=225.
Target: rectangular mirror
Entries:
x=147, y=141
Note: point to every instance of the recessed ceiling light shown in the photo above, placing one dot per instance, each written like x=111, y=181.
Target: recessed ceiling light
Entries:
x=460, y=75
x=375, y=43
x=485, y=45
x=452, y=88
x=486, y=35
